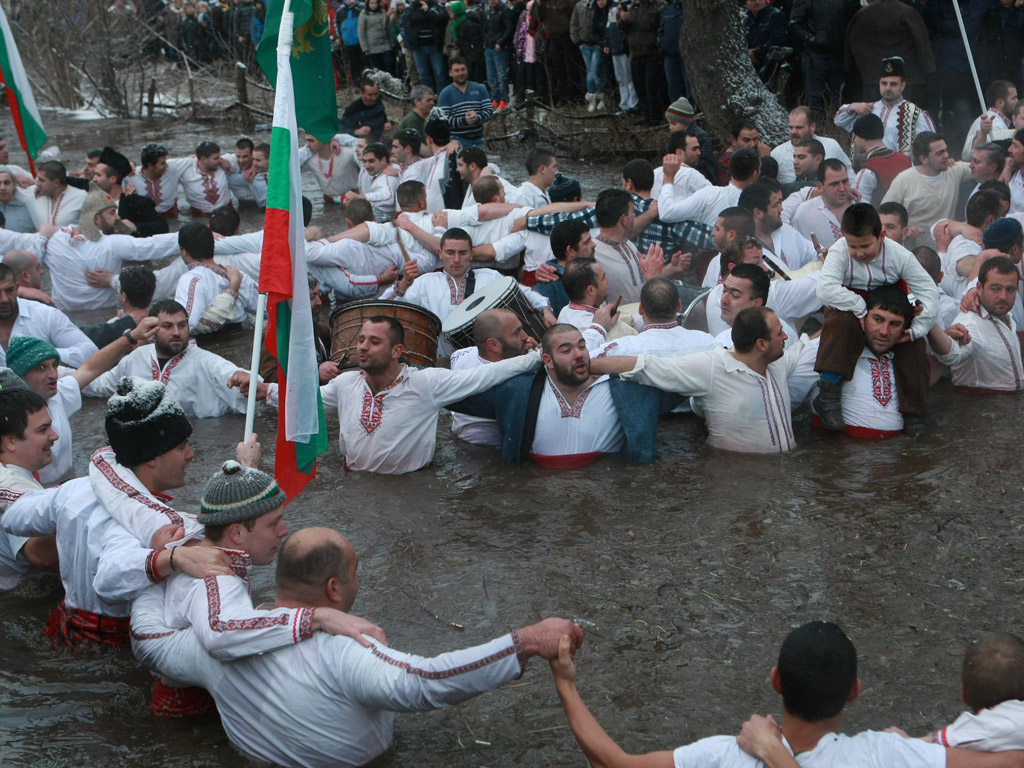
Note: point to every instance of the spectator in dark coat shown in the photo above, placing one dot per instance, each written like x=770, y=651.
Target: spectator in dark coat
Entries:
x=883, y=29
x=818, y=27
x=765, y=28
x=668, y=42
x=640, y=23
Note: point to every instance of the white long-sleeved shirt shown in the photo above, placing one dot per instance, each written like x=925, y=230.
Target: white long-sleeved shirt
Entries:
x=783, y=155
x=744, y=410
x=246, y=191
x=64, y=211
x=395, y=430
x=163, y=191
x=195, y=377
x=200, y=287
x=999, y=122
x=84, y=530
x=441, y=293
x=789, y=299
x=64, y=404
x=219, y=609
x=473, y=429
x=327, y=701
x=51, y=325
x=870, y=399
x=379, y=192
x=687, y=181
x=995, y=729
x=14, y=481
x=841, y=272
x=703, y=205
x=339, y=173
x=790, y=246
x=813, y=217
x=670, y=340
x=387, y=234
x=992, y=360
x=204, y=191
x=68, y=256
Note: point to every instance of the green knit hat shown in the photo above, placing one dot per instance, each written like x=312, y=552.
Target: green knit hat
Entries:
x=238, y=493
x=26, y=352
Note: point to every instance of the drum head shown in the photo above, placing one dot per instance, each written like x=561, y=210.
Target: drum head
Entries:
x=482, y=299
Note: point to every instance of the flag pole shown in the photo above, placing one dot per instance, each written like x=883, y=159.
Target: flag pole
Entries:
x=970, y=56
x=284, y=43
x=254, y=367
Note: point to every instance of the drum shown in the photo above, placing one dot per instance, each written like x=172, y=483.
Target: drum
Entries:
x=502, y=293
x=691, y=297
x=422, y=329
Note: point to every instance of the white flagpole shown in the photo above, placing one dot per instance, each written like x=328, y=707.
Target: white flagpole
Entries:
x=970, y=56
x=284, y=43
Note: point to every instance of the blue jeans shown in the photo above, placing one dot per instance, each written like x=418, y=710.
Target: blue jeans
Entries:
x=497, y=73
x=592, y=59
x=675, y=76
x=430, y=63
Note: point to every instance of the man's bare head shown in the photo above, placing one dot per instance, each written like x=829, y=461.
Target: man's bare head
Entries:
x=317, y=567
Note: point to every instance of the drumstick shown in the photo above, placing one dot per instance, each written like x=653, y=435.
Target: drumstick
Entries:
x=398, y=239
x=615, y=307
x=815, y=243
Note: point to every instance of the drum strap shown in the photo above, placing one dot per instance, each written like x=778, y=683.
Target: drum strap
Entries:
x=532, y=409
x=470, y=284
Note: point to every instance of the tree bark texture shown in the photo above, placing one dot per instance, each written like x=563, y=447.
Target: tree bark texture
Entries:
x=722, y=76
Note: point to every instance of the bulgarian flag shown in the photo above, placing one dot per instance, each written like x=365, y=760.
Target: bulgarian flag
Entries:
x=302, y=428
x=19, y=95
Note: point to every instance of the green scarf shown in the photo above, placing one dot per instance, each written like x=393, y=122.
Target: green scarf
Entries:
x=458, y=11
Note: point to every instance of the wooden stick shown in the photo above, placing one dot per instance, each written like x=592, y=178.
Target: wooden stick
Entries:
x=398, y=239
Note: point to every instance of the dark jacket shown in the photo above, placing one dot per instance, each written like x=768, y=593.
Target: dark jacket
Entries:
x=888, y=28
x=819, y=26
x=764, y=30
x=498, y=26
x=426, y=27
x=514, y=405
x=141, y=211
x=670, y=30
x=642, y=27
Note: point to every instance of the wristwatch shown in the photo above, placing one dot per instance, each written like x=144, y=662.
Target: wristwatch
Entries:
x=128, y=335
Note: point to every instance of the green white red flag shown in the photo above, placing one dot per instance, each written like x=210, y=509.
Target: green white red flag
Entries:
x=302, y=428
x=24, y=111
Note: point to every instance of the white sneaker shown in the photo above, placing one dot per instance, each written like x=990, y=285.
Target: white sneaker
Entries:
x=600, y=103
x=591, y=102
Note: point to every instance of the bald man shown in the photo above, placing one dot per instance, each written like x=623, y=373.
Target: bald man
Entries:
x=28, y=275
x=498, y=335
x=332, y=700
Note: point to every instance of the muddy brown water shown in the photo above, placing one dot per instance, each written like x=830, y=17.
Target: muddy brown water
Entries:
x=686, y=575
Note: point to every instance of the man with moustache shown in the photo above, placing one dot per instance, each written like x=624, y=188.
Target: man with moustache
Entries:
x=197, y=378
x=564, y=416
x=991, y=360
x=498, y=334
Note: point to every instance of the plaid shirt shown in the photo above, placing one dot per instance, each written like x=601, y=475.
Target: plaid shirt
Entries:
x=671, y=237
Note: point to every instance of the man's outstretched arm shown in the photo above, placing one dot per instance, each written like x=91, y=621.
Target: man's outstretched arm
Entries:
x=597, y=745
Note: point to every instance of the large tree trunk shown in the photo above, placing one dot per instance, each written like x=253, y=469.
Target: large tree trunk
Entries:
x=721, y=75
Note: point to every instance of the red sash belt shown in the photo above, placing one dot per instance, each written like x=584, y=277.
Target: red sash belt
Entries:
x=529, y=278
x=901, y=284
x=170, y=213
x=169, y=701
x=70, y=627
x=864, y=432
x=567, y=461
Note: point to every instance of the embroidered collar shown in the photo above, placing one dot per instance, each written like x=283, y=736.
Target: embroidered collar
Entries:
x=666, y=326
x=582, y=307
x=215, y=267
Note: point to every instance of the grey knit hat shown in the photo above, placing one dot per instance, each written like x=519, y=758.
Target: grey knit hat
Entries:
x=10, y=381
x=144, y=421
x=238, y=493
